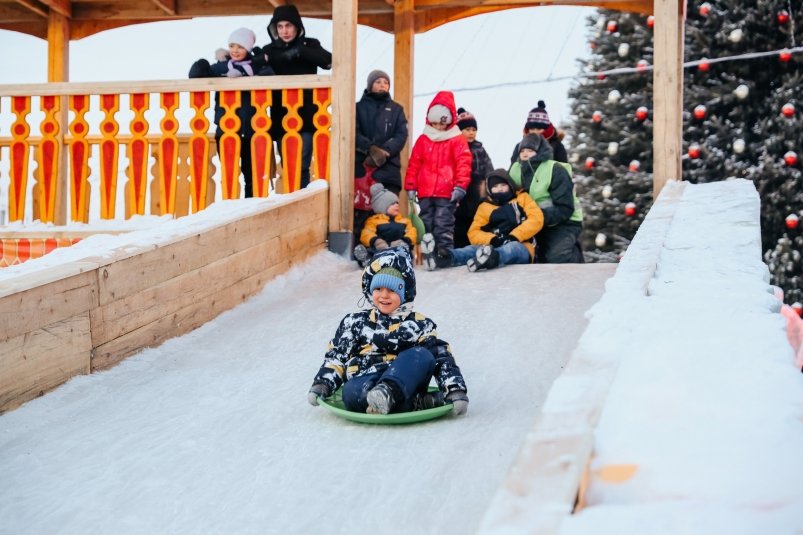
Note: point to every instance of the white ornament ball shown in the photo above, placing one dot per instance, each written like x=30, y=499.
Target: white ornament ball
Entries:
x=741, y=92
x=602, y=22
x=739, y=146
x=624, y=50
x=736, y=35
x=574, y=157
x=607, y=190
x=600, y=239
x=613, y=148
x=614, y=96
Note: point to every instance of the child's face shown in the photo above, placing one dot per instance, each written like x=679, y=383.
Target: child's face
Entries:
x=393, y=209
x=380, y=85
x=500, y=187
x=236, y=52
x=385, y=300
x=287, y=31
x=439, y=126
x=526, y=154
x=470, y=133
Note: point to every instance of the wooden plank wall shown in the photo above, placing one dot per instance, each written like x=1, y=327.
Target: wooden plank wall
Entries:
x=90, y=315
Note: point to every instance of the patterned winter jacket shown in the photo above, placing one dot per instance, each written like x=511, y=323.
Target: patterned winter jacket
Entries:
x=367, y=341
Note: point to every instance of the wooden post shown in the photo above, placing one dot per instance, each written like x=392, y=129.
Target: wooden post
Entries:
x=58, y=70
x=667, y=92
x=403, y=77
x=341, y=183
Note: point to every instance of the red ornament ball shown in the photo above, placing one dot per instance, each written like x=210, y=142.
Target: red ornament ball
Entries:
x=597, y=117
x=792, y=221
x=634, y=166
x=694, y=151
x=785, y=55
x=642, y=65
x=704, y=66
x=783, y=17
x=700, y=112
x=705, y=9
x=788, y=110
x=612, y=26
x=590, y=162
x=630, y=209
x=790, y=158
x=642, y=113
x=600, y=76
x=651, y=21
x=798, y=307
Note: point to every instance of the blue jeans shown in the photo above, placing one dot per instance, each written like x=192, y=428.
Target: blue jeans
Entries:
x=409, y=373
x=510, y=253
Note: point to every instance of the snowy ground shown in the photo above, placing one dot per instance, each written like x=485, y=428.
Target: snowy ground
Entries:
x=211, y=432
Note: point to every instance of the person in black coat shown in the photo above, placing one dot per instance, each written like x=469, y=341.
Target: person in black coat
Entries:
x=235, y=62
x=481, y=167
x=380, y=137
x=291, y=52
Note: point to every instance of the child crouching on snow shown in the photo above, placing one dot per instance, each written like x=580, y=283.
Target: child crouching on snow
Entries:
x=385, y=356
x=386, y=228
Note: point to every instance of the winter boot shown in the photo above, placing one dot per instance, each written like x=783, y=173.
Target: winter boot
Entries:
x=485, y=258
x=428, y=400
x=444, y=258
x=380, y=399
x=361, y=255
x=428, y=250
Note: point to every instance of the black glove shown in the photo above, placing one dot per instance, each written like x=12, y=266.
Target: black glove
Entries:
x=509, y=239
x=498, y=241
x=316, y=391
x=260, y=58
x=201, y=69
x=457, y=194
x=459, y=401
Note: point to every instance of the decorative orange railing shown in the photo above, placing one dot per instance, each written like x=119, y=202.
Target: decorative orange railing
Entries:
x=54, y=158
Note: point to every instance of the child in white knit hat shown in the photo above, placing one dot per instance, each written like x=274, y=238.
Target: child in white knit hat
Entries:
x=386, y=228
x=234, y=63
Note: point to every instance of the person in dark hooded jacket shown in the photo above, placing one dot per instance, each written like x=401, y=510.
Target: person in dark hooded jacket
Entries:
x=501, y=233
x=385, y=356
x=550, y=185
x=291, y=52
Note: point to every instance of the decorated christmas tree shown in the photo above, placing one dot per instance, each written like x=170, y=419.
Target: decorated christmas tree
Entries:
x=741, y=119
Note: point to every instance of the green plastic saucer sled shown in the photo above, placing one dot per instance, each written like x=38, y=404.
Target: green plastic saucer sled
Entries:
x=335, y=404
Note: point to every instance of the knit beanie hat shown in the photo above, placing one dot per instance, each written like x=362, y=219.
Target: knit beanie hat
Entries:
x=530, y=141
x=389, y=278
x=382, y=199
x=439, y=114
x=538, y=117
x=243, y=37
x=374, y=75
x=465, y=119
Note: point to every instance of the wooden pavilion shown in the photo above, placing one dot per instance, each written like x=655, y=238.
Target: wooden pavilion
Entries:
x=60, y=21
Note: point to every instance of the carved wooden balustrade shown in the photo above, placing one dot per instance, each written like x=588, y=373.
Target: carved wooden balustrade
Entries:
x=79, y=135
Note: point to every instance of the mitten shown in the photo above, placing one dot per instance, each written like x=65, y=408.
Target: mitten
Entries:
x=411, y=196
x=498, y=241
x=508, y=239
x=221, y=54
x=378, y=155
x=259, y=58
x=201, y=69
x=400, y=243
x=232, y=72
x=318, y=390
x=457, y=194
x=459, y=401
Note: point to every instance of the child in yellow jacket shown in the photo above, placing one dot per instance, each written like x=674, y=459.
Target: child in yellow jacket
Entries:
x=386, y=228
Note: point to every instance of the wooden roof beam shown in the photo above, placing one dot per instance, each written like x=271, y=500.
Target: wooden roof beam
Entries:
x=168, y=6
x=62, y=7
x=34, y=7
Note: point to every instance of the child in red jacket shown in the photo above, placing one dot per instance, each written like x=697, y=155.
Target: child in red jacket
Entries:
x=439, y=170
